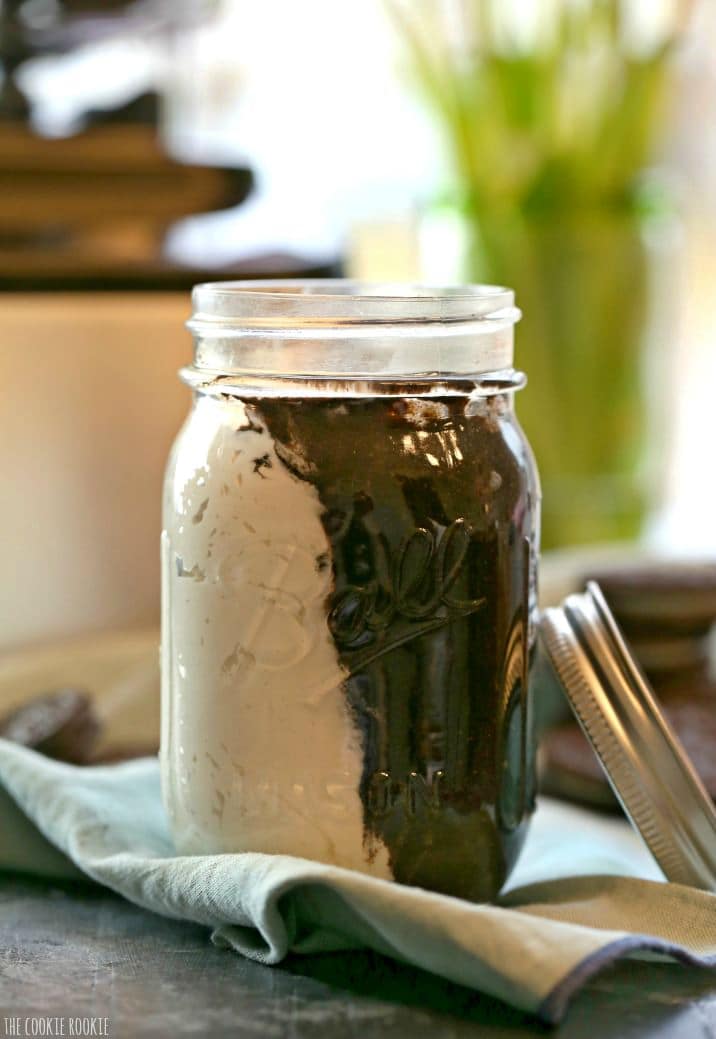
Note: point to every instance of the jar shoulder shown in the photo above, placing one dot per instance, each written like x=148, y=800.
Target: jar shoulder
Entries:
x=469, y=451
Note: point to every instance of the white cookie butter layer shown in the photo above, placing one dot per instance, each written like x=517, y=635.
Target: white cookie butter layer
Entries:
x=259, y=748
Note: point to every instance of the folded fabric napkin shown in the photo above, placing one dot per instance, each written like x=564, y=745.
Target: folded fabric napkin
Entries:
x=584, y=894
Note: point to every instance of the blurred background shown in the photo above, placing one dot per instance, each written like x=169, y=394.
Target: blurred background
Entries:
x=564, y=147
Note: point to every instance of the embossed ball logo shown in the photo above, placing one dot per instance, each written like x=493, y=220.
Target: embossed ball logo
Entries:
x=419, y=590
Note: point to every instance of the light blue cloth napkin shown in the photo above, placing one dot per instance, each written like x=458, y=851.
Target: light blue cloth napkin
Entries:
x=565, y=915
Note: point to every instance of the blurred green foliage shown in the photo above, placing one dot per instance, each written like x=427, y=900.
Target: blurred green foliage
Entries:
x=551, y=112
x=566, y=118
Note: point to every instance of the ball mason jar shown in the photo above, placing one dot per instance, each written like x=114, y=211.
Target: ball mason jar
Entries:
x=349, y=564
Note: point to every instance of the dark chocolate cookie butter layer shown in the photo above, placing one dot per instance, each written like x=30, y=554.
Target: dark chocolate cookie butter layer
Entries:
x=427, y=507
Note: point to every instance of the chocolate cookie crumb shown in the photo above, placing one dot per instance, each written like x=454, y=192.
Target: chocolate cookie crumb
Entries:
x=61, y=724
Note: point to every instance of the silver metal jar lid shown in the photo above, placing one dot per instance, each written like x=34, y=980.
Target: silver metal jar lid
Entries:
x=646, y=765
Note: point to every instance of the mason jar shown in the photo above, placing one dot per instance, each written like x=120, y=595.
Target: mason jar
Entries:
x=349, y=554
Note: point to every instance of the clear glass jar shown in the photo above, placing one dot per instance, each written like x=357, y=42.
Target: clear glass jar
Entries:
x=349, y=583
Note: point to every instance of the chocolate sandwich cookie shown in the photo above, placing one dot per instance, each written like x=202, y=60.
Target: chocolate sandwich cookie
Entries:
x=675, y=599
x=672, y=663
x=569, y=768
x=666, y=614
x=694, y=720
x=61, y=724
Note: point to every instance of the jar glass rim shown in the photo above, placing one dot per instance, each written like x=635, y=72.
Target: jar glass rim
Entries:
x=344, y=301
